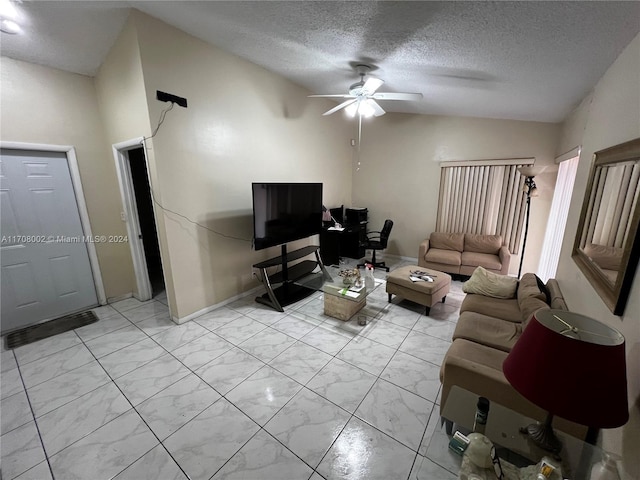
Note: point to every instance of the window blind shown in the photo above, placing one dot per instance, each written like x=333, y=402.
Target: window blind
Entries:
x=615, y=193
x=483, y=197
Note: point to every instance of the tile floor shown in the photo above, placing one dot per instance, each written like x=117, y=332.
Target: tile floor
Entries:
x=242, y=392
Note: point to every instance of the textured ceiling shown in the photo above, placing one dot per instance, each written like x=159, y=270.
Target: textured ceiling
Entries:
x=516, y=60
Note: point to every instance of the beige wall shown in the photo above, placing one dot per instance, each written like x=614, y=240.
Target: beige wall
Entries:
x=609, y=116
x=120, y=89
x=243, y=124
x=48, y=106
x=399, y=176
x=122, y=104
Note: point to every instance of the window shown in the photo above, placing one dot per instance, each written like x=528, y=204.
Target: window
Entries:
x=558, y=217
x=484, y=197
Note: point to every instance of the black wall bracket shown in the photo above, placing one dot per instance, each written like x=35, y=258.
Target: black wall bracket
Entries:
x=167, y=97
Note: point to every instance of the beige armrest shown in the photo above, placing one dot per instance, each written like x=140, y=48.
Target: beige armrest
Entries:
x=422, y=251
x=505, y=259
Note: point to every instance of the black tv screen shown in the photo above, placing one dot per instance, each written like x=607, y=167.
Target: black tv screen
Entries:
x=284, y=212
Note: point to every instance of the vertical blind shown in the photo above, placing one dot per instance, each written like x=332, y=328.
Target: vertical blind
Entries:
x=615, y=191
x=485, y=198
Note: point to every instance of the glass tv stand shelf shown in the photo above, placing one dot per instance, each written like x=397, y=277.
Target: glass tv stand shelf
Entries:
x=296, y=282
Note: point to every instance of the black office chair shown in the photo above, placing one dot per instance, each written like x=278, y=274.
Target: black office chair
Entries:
x=378, y=241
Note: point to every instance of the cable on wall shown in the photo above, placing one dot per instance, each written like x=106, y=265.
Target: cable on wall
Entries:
x=163, y=115
x=161, y=120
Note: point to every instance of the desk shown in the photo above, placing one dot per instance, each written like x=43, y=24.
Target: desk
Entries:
x=346, y=243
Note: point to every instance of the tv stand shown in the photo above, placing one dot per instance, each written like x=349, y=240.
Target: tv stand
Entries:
x=289, y=292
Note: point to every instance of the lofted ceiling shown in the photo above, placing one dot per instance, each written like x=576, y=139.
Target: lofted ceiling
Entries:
x=514, y=60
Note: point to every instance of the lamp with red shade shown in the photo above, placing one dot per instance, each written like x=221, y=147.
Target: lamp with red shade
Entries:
x=572, y=366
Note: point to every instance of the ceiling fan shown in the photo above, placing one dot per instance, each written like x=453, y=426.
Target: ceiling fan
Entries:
x=362, y=96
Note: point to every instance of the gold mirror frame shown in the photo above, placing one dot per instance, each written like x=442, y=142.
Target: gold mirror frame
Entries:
x=613, y=290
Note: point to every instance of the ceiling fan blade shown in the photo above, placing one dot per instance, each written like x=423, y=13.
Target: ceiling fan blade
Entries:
x=344, y=95
x=341, y=106
x=377, y=109
x=397, y=96
x=371, y=85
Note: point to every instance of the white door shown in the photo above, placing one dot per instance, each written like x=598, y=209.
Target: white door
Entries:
x=45, y=264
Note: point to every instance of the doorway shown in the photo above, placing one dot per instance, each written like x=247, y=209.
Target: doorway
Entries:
x=147, y=219
x=137, y=199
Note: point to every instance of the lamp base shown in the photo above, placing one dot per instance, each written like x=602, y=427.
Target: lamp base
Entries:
x=543, y=436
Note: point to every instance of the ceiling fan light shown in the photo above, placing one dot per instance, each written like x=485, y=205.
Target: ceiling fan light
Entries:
x=365, y=109
x=352, y=109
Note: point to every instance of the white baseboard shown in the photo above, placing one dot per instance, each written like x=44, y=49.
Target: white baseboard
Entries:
x=211, y=308
x=406, y=259
x=382, y=255
x=119, y=297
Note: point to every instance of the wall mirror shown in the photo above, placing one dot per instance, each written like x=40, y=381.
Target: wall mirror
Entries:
x=606, y=247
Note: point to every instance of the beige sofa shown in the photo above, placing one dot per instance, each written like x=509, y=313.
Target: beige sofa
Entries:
x=461, y=253
x=486, y=331
x=608, y=259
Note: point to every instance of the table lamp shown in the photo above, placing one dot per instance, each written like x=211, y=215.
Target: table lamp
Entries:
x=572, y=366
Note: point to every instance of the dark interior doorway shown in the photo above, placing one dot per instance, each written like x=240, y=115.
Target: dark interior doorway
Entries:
x=144, y=201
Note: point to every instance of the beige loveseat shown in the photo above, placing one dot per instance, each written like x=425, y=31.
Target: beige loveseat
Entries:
x=608, y=259
x=461, y=253
x=486, y=331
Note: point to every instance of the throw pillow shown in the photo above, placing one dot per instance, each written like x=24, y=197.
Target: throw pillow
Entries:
x=490, y=284
x=543, y=288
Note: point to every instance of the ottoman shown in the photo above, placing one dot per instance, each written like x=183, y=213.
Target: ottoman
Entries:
x=424, y=293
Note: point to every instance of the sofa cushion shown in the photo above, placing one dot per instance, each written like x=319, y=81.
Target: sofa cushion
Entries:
x=528, y=306
x=481, y=360
x=447, y=241
x=506, y=309
x=490, y=284
x=607, y=258
x=438, y=255
x=486, y=260
x=528, y=287
x=482, y=243
x=489, y=331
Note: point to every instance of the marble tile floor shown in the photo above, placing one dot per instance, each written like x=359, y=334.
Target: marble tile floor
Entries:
x=242, y=392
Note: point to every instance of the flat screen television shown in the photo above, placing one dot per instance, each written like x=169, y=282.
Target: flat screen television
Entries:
x=284, y=212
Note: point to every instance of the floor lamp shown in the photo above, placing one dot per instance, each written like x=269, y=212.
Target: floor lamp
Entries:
x=530, y=190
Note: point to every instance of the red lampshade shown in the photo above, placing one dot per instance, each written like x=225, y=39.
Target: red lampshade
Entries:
x=572, y=366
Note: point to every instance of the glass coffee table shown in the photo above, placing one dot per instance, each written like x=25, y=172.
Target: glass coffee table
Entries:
x=518, y=455
x=341, y=301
